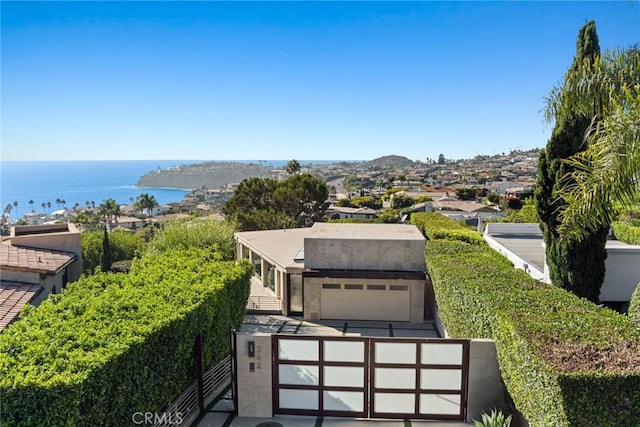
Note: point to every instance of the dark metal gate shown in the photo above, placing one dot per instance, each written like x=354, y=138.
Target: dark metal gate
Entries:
x=367, y=377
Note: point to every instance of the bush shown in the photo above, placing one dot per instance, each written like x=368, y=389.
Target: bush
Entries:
x=113, y=344
x=564, y=360
x=125, y=245
x=626, y=231
x=196, y=233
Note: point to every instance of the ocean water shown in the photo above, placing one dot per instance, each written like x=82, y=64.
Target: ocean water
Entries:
x=82, y=181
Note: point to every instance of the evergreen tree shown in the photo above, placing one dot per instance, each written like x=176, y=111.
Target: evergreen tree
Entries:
x=576, y=265
x=105, y=259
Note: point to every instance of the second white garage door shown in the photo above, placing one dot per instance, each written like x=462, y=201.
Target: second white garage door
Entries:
x=365, y=302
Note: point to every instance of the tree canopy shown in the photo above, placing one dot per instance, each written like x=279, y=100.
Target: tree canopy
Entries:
x=263, y=203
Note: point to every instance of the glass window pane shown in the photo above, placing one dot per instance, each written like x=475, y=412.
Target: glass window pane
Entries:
x=344, y=376
x=330, y=286
x=295, y=297
x=395, y=378
x=354, y=287
x=441, y=379
x=298, y=374
x=299, y=399
x=298, y=349
x=441, y=354
x=401, y=403
x=376, y=287
x=344, y=401
x=387, y=352
x=444, y=404
x=344, y=351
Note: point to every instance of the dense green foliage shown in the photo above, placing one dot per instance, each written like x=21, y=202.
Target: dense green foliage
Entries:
x=634, y=306
x=495, y=419
x=626, y=231
x=538, y=330
x=578, y=266
x=526, y=214
x=115, y=344
x=400, y=201
x=195, y=233
x=124, y=246
x=263, y=203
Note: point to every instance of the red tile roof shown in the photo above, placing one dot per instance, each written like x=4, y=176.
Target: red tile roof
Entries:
x=33, y=259
x=13, y=296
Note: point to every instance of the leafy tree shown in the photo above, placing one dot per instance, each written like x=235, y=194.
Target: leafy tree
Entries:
x=105, y=258
x=7, y=210
x=400, y=201
x=466, y=193
x=441, y=159
x=293, y=167
x=494, y=198
x=263, y=203
x=344, y=203
x=578, y=266
x=367, y=201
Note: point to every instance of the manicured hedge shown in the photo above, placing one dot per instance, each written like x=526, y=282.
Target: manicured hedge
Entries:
x=125, y=245
x=627, y=232
x=115, y=344
x=634, y=305
x=537, y=328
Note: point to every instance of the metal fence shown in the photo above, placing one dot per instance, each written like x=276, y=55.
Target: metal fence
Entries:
x=186, y=407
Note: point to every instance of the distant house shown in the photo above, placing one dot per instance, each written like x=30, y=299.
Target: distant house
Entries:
x=36, y=261
x=354, y=213
x=341, y=271
x=131, y=223
x=523, y=245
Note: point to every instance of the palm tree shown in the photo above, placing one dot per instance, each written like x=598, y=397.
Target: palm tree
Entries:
x=43, y=205
x=607, y=175
x=76, y=206
x=58, y=201
x=31, y=204
x=49, y=207
x=15, y=205
x=148, y=203
x=110, y=211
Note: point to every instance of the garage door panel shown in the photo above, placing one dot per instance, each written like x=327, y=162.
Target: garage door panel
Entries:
x=365, y=304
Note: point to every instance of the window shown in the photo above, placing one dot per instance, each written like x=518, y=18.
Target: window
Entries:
x=270, y=281
x=399, y=287
x=257, y=265
x=330, y=286
x=245, y=252
x=354, y=287
x=376, y=287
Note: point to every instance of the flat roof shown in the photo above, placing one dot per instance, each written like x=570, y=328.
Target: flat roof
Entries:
x=282, y=247
x=323, y=230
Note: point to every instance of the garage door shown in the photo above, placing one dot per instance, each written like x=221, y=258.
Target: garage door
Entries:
x=365, y=302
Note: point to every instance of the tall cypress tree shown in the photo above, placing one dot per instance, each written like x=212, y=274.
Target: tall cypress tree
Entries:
x=576, y=265
x=105, y=259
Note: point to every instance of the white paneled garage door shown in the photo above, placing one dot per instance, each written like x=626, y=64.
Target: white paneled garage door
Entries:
x=365, y=302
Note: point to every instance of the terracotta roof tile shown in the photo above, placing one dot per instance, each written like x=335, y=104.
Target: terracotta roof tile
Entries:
x=33, y=259
x=13, y=296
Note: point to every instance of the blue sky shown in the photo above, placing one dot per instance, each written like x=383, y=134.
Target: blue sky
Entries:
x=282, y=80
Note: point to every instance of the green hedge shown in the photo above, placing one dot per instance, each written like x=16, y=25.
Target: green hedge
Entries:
x=626, y=232
x=113, y=344
x=125, y=245
x=535, y=327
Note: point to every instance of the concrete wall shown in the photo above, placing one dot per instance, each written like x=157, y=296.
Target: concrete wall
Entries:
x=364, y=254
x=254, y=388
x=486, y=390
x=313, y=287
x=622, y=272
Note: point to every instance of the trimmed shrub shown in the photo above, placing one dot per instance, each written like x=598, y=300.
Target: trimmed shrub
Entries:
x=196, y=233
x=564, y=360
x=634, y=305
x=627, y=232
x=113, y=344
x=125, y=245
